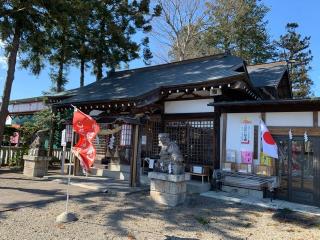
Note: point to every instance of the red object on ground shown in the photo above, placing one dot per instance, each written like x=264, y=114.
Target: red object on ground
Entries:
x=87, y=128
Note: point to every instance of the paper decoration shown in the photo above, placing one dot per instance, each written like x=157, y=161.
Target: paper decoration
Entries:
x=246, y=129
x=265, y=159
x=290, y=134
x=305, y=136
x=246, y=156
x=246, y=141
x=231, y=155
x=170, y=168
x=63, y=138
x=151, y=163
x=144, y=140
x=111, y=142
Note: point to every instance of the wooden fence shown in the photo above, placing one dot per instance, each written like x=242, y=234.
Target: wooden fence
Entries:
x=58, y=153
x=9, y=153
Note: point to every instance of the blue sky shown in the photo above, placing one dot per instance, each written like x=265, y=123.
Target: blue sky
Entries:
x=306, y=13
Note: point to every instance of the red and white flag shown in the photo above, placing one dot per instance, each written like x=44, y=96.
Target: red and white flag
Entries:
x=87, y=128
x=269, y=146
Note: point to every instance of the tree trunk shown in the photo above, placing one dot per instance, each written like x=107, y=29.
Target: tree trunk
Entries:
x=60, y=77
x=82, y=63
x=99, y=69
x=9, y=80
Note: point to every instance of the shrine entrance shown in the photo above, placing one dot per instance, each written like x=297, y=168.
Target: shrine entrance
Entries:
x=298, y=168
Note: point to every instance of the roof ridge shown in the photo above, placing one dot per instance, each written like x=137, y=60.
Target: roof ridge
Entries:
x=269, y=63
x=160, y=66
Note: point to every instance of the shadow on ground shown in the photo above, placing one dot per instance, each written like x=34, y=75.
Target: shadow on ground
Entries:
x=297, y=218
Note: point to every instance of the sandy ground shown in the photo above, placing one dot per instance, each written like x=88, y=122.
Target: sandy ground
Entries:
x=35, y=204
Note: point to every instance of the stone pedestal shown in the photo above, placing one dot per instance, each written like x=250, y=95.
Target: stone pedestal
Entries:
x=168, y=189
x=35, y=166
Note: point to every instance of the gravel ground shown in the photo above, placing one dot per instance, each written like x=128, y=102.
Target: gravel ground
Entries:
x=135, y=216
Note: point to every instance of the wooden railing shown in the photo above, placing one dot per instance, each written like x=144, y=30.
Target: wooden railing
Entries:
x=9, y=153
x=58, y=153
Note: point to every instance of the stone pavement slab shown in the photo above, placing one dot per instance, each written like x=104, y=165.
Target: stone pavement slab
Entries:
x=17, y=191
x=264, y=203
x=100, y=184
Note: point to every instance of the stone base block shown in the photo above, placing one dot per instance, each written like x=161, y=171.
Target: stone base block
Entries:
x=171, y=200
x=35, y=166
x=168, y=189
x=118, y=167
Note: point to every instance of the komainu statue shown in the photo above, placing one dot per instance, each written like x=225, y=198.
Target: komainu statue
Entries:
x=37, y=146
x=171, y=159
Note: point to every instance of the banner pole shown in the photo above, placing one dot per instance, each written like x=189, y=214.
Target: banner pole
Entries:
x=68, y=216
x=69, y=171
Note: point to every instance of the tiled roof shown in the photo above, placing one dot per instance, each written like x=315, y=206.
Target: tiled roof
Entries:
x=134, y=83
x=267, y=75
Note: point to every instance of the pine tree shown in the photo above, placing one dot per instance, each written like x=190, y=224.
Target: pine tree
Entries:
x=238, y=27
x=22, y=28
x=113, y=24
x=294, y=49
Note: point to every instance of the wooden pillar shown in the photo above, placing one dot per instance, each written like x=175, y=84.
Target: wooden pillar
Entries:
x=315, y=119
x=216, y=141
x=52, y=132
x=135, y=163
x=224, y=137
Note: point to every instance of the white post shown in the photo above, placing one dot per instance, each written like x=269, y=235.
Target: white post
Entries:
x=63, y=158
x=69, y=171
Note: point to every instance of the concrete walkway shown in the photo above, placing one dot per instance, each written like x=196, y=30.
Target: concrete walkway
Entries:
x=18, y=191
x=264, y=203
x=100, y=184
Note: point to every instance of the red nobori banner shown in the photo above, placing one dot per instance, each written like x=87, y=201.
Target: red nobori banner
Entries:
x=87, y=128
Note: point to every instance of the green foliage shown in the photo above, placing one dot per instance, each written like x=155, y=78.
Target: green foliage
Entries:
x=235, y=26
x=111, y=28
x=202, y=220
x=17, y=159
x=238, y=26
x=41, y=120
x=294, y=49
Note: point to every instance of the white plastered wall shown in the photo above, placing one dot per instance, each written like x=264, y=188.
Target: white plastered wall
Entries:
x=188, y=106
x=289, y=119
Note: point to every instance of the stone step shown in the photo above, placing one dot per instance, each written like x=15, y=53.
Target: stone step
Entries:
x=119, y=167
x=197, y=187
x=100, y=165
x=244, y=192
x=111, y=174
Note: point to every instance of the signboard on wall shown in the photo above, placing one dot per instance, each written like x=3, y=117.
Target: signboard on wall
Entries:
x=246, y=140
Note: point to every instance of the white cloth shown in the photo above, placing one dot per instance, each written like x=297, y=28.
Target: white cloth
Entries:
x=269, y=146
x=151, y=163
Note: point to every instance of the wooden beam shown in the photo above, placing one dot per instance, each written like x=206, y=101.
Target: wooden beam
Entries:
x=296, y=131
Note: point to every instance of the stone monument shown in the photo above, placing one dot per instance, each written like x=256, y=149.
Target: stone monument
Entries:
x=168, y=181
x=36, y=162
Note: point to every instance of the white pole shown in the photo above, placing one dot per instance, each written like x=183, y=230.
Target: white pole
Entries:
x=69, y=171
x=63, y=158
